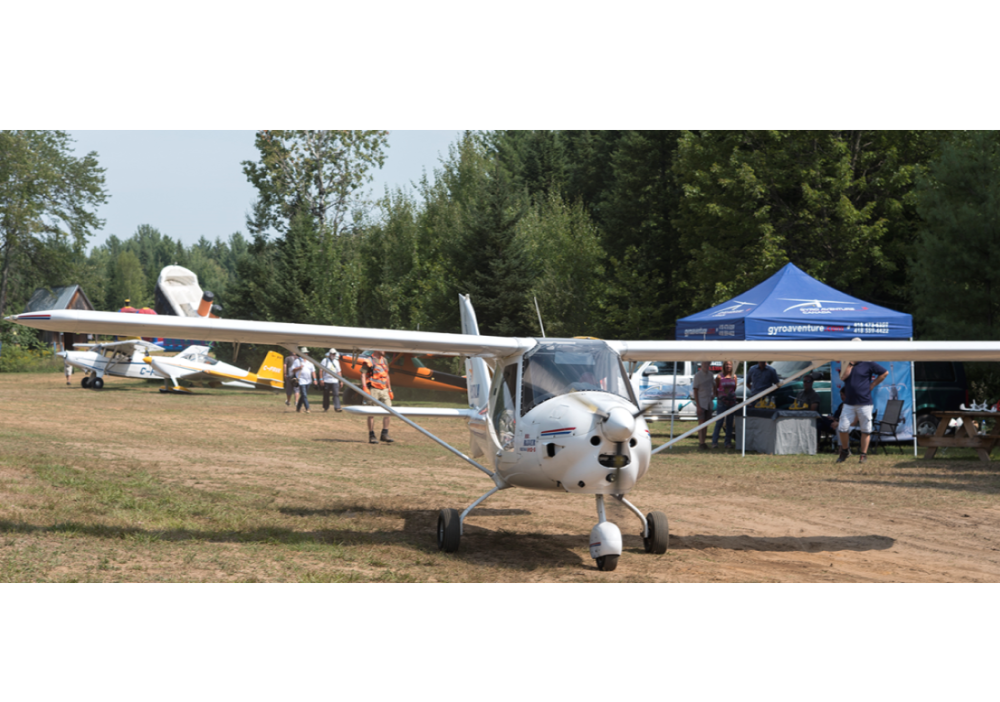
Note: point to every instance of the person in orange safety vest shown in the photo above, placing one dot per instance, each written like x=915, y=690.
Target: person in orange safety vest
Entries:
x=375, y=382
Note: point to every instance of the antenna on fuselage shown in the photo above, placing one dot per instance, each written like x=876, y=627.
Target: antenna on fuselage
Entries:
x=539, y=317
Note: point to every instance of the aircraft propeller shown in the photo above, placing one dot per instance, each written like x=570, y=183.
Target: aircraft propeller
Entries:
x=619, y=425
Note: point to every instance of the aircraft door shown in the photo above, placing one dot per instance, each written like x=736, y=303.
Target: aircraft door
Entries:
x=503, y=411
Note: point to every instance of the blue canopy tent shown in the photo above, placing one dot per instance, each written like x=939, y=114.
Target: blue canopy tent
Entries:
x=793, y=305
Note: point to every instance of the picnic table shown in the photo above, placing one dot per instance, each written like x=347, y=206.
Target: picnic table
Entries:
x=965, y=436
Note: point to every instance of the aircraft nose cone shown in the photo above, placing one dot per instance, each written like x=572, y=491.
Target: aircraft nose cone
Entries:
x=619, y=425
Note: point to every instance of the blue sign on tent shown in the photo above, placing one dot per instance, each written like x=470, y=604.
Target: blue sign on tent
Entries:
x=793, y=305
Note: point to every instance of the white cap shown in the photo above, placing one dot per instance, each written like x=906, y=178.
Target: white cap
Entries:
x=331, y=352
x=303, y=349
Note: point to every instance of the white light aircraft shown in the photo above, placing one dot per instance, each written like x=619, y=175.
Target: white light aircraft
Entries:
x=194, y=363
x=123, y=359
x=558, y=414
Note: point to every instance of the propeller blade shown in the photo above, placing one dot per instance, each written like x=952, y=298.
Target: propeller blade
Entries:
x=588, y=404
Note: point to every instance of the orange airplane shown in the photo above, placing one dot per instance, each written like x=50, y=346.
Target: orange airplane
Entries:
x=406, y=371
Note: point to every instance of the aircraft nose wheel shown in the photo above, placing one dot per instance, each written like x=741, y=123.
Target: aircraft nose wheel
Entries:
x=659, y=534
x=449, y=530
x=607, y=563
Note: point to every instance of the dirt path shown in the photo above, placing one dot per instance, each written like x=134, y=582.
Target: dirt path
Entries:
x=313, y=478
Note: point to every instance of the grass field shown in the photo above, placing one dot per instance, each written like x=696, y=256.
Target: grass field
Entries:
x=130, y=485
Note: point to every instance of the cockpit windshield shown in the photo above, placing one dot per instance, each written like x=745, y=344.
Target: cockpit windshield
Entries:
x=557, y=367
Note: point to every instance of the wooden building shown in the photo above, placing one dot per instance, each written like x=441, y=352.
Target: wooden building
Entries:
x=69, y=297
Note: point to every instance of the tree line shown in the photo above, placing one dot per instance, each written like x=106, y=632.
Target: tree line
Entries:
x=616, y=234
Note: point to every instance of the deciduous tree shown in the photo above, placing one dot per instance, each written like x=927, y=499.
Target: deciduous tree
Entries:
x=317, y=172
x=48, y=200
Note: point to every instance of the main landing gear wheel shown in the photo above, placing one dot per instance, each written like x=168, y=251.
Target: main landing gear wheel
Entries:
x=449, y=530
x=607, y=563
x=85, y=381
x=659, y=534
x=97, y=383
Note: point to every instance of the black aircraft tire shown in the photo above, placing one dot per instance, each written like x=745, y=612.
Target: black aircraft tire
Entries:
x=85, y=381
x=659, y=533
x=449, y=530
x=97, y=383
x=607, y=563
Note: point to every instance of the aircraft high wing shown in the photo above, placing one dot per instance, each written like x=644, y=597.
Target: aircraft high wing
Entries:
x=491, y=347
x=553, y=414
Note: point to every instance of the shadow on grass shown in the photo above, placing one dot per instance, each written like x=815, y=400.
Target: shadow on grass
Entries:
x=930, y=482
x=342, y=441
x=968, y=475
x=354, y=511
x=480, y=546
x=804, y=544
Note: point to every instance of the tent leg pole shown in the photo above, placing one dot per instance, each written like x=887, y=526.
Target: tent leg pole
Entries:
x=746, y=378
x=913, y=404
x=673, y=406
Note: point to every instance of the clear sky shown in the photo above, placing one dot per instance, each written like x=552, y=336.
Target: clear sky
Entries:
x=190, y=184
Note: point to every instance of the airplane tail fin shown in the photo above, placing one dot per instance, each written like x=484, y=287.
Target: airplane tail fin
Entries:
x=270, y=371
x=477, y=374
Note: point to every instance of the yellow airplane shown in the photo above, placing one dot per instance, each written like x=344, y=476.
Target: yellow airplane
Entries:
x=194, y=363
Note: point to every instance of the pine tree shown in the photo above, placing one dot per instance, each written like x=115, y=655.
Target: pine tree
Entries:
x=955, y=282
x=490, y=262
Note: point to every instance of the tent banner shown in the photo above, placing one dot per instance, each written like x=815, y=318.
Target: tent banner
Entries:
x=897, y=386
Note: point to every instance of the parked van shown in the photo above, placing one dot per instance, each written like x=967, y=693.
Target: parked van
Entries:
x=653, y=382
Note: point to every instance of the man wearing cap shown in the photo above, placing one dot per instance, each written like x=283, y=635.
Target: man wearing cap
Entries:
x=331, y=386
x=292, y=364
x=375, y=382
x=860, y=378
x=305, y=375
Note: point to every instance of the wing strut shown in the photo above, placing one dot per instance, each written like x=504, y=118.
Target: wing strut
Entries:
x=500, y=482
x=815, y=364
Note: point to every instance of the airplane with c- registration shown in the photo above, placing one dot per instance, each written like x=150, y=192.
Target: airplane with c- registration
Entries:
x=544, y=414
x=194, y=363
x=122, y=359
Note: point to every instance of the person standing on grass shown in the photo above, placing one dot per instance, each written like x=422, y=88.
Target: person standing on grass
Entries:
x=68, y=370
x=306, y=377
x=860, y=378
x=331, y=386
x=375, y=382
x=725, y=391
x=703, y=388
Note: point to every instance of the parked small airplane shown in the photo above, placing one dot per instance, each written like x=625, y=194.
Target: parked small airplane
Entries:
x=558, y=414
x=406, y=370
x=194, y=363
x=123, y=359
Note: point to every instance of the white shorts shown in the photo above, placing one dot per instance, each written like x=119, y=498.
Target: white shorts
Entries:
x=863, y=413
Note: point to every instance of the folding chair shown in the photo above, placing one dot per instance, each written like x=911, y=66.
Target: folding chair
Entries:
x=885, y=428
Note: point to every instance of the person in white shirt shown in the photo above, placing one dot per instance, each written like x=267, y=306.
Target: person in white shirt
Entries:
x=331, y=386
x=306, y=377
